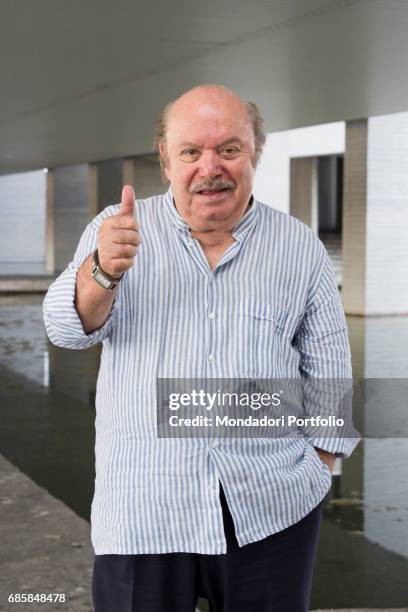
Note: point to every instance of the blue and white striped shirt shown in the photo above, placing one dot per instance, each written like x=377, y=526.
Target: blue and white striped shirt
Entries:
x=175, y=317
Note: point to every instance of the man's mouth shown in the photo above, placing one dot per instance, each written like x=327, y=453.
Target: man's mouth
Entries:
x=210, y=192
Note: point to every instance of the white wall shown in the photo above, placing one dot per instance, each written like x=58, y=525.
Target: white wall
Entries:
x=23, y=210
x=272, y=184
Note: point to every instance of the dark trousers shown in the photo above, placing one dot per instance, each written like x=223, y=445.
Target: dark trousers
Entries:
x=271, y=575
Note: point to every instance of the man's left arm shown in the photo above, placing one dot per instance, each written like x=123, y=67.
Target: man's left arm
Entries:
x=325, y=364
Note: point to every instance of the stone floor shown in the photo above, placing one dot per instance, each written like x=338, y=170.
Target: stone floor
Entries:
x=45, y=547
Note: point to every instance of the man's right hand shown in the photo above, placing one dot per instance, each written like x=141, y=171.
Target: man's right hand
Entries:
x=119, y=237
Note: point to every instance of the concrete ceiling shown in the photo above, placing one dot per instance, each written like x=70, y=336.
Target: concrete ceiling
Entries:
x=83, y=80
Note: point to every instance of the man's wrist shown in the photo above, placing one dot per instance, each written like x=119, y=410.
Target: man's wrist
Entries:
x=104, y=279
x=327, y=457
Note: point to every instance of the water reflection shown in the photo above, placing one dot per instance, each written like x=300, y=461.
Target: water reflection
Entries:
x=47, y=430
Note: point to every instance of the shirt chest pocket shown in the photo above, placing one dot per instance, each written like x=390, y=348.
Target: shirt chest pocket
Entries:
x=266, y=333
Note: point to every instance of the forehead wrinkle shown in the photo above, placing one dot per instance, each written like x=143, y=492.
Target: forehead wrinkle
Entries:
x=188, y=132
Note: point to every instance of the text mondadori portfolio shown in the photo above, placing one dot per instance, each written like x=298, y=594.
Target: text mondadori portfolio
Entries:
x=251, y=421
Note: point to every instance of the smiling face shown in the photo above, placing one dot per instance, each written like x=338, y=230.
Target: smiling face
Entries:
x=209, y=158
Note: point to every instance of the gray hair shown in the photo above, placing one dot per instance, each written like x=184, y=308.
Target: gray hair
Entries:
x=255, y=118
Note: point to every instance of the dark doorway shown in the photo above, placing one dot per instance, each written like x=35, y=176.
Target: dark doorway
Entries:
x=330, y=207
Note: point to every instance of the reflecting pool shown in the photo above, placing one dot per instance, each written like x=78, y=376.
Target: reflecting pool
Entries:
x=47, y=431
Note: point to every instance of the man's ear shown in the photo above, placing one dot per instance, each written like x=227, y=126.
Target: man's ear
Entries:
x=164, y=160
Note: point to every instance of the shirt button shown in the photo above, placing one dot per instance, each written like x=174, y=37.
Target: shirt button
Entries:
x=211, y=315
x=213, y=444
x=211, y=358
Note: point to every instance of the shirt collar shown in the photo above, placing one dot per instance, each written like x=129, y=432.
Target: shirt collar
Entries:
x=173, y=213
x=246, y=223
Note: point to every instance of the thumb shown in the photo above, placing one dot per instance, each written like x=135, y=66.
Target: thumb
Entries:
x=127, y=202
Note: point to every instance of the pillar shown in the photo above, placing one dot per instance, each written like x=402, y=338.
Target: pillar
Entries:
x=304, y=190
x=375, y=216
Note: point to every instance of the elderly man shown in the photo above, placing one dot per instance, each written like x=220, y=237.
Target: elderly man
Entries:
x=208, y=282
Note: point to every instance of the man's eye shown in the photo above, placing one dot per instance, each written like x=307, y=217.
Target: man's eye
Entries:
x=230, y=150
x=190, y=152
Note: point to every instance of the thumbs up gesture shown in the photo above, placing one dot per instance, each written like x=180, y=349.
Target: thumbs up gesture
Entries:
x=119, y=237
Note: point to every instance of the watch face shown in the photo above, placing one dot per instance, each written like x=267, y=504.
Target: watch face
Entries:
x=102, y=280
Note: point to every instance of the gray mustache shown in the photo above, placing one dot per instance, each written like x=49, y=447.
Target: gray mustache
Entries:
x=216, y=184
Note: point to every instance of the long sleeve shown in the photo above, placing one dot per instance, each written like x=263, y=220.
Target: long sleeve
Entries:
x=326, y=362
x=62, y=323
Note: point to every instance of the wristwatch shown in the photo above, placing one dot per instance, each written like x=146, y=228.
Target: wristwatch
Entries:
x=104, y=279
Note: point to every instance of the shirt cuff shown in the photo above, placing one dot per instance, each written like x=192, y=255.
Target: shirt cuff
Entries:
x=61, y=319
x=341, y=447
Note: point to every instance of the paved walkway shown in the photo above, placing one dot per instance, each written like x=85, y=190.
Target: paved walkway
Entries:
x=45, y=547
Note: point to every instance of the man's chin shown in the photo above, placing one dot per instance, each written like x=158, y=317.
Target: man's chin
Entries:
x=215, y=218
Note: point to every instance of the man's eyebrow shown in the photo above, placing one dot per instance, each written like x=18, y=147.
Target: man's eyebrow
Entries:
x=231, y=140
x=189, y=144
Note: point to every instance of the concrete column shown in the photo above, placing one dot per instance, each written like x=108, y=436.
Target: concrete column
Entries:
x=355, y=217
x=143, y=172
x=72, y=198
x=109, y=183
x=304, y=190
x=375, y=216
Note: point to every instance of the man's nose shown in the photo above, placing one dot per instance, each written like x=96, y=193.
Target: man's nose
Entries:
x=210, y=164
